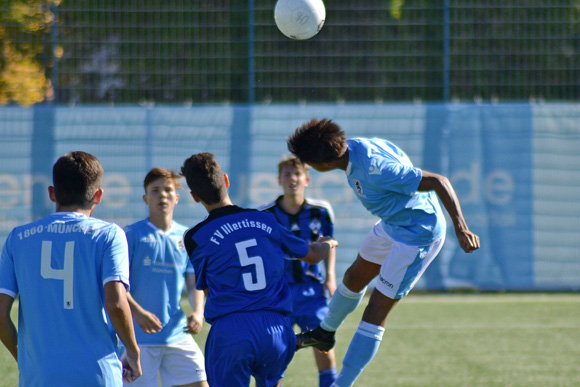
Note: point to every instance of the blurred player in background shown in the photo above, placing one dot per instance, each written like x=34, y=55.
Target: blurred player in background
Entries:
x=307, y=219
x=159, y=269
x=400, y=246
x=71, y=271
x=238, y=256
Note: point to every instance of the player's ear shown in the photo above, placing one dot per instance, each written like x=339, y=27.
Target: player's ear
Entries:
x=51, y=194
x=98, y=196
x=227, y=180
x=176, y=198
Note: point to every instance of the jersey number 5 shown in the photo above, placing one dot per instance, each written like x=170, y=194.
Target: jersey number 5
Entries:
x=65, y=274
x=256, y=260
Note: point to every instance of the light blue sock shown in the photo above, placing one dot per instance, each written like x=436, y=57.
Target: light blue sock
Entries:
x=362, y=349
x=342, y=303
x=326, y=377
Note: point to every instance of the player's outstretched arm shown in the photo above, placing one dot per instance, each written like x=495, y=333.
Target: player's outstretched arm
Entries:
x=148, y=321
x=119, y=313
x=319, y=250
x=430, y=181
x=8, y=332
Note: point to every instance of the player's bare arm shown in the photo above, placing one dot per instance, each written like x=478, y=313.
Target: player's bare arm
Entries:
x=196, y=300
x=319, y=250
x=330, y=279
x=119, y=313
x=430, y=181
x=8, y=332
x=148, y=321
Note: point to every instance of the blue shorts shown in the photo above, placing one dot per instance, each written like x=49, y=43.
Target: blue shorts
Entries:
x=259, y=344
x=309, y=304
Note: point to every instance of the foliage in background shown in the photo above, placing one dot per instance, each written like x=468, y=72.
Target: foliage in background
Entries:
x=23, y=25
x=199, y=51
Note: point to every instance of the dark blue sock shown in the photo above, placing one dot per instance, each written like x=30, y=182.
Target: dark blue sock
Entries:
x=326, y=377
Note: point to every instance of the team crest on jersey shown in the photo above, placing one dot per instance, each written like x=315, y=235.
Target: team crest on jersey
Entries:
x=179, y=243
x=315, y=226
x=147, y=261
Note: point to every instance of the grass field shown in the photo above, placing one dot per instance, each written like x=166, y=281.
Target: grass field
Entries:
x=453, y=340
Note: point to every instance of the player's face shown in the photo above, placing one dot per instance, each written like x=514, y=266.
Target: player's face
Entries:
x=161, y=196
x=293, y=180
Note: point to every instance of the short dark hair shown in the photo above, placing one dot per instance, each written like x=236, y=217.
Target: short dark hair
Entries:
x=318, y=141
x=76, y=177
x=292, y=161
x=161, y=173
x=204, y=177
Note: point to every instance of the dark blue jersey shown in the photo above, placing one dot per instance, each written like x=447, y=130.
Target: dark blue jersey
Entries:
x=238, y=255
x=314, y=219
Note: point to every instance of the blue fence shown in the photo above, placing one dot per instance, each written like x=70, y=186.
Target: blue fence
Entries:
x=515, y=167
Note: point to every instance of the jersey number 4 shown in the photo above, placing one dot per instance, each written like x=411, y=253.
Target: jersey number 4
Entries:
x=255, y=260
x=65, y=274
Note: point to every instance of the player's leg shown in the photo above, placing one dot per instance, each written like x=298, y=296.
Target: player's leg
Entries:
x=310, y=305
x=350, y=292
x=399, y=273
x=274, y=344
x=229, y=347
x=183, y=365
x=326, y=363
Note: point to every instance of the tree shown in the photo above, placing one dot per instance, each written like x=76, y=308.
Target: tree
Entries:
x=23, y=28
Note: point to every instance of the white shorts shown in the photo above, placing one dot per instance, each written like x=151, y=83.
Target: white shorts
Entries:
x=401, y=265
x=177, y=363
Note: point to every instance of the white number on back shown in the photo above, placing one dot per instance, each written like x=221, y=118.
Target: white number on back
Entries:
x=65, y=274
x=256, y=260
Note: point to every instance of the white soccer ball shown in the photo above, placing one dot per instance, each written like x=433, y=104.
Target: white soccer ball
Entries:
x=299, y=19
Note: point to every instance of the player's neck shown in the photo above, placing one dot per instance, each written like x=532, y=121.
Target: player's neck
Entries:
x=162, y=222
x=342, y=162
x=84, y=211
x=222, y=203
x=292, y=204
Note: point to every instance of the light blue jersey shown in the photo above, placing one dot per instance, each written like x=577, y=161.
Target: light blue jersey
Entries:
x=385, y=181
x=59, y=266
x=158, y=263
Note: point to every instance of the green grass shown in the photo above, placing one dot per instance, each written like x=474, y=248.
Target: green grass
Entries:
x=453, y=340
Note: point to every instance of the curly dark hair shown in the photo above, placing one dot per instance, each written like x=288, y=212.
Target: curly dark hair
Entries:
x=204, y=177
x=318, y=141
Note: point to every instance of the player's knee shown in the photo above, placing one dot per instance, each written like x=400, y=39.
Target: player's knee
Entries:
x=357, y=277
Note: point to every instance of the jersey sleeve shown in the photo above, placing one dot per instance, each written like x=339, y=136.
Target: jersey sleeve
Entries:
x=291, y=244
x=394, y=176
x=8, y=283
x=116, y=257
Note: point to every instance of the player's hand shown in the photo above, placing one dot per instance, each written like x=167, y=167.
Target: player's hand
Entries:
x=148, y=322
x=131, y=367
x=329, y=286
x=468, y=241
x=330, y=241
x=194, y=324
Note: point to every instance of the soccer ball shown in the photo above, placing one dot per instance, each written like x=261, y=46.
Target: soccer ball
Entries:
x=299, y=19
